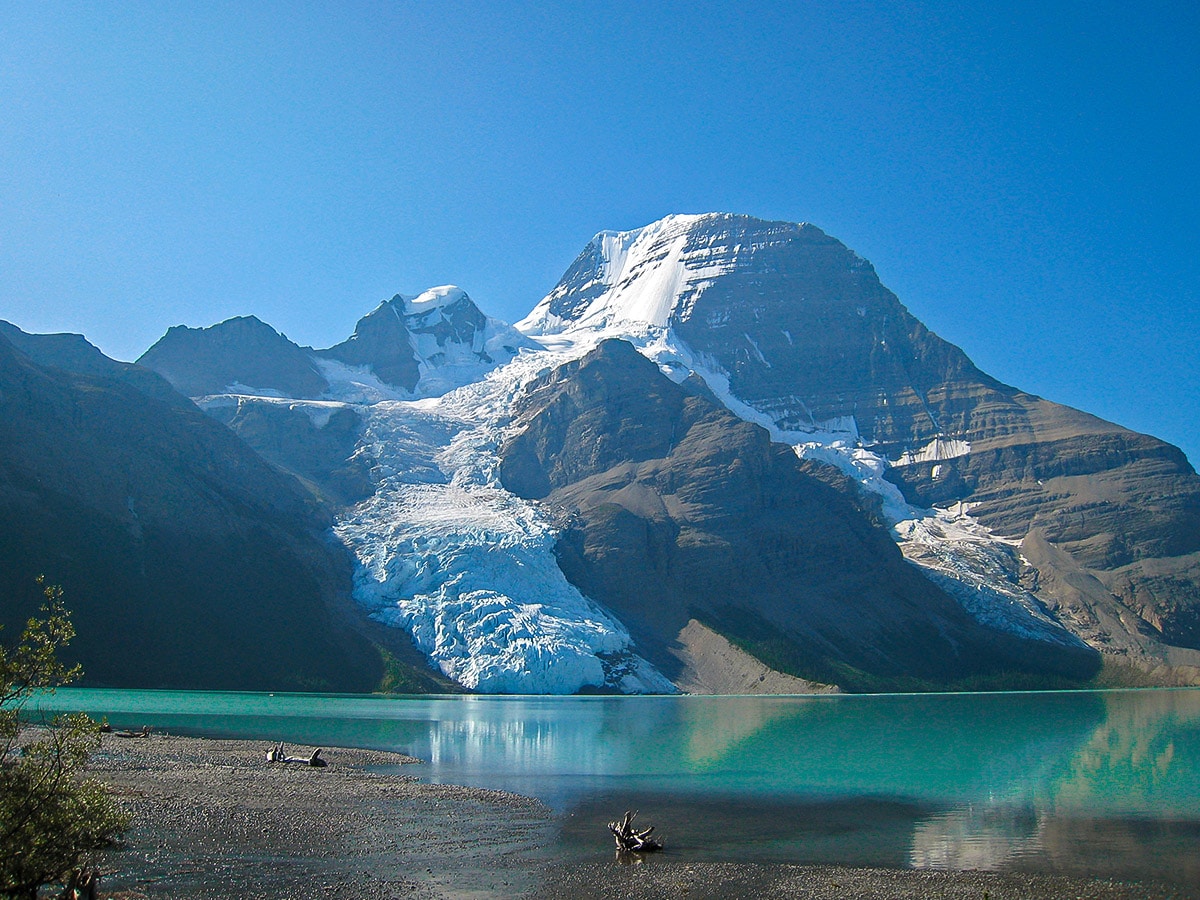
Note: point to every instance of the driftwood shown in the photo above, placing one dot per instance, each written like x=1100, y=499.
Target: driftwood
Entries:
x=81, y=884
x=629, y=839
x=144, y=733
x=278, y=754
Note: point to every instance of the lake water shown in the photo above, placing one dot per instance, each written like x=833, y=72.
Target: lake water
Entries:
x=1094, y=783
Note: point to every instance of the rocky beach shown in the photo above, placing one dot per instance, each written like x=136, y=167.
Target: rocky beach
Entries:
x=213, y=819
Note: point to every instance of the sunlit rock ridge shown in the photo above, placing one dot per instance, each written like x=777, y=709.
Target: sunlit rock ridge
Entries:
x=543, y=511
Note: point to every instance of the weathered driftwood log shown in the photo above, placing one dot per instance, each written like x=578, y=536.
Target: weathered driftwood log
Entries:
x=629, y=839
x=278, y=754
x=81, y=884
x=144, y=733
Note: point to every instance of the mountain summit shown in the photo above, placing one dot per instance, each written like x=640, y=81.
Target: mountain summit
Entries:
x=799, y=323
x=718, y=455
x=797, y=332
x=439, y=335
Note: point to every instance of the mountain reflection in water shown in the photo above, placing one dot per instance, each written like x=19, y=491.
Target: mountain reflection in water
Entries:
x=1103, y=783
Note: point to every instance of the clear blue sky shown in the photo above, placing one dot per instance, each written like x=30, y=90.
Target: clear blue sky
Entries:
x=1023, y=175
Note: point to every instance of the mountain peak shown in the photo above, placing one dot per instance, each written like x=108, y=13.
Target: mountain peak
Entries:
x=428, y=343
x=243, y=351
x=435, y=298
x=653, y=275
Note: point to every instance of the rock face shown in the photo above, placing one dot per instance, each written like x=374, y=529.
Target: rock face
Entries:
x=381, y=342
x=803, y=332
x=674, y=509
x=314, y=441
x=187, y=561
x=406, y=339
x=240, y=351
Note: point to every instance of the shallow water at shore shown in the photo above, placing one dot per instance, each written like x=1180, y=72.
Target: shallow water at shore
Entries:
x=1075, y=783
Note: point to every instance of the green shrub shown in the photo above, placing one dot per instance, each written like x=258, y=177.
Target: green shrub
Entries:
x=53, y=819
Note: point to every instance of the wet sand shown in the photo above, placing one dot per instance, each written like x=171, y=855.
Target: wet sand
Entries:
x=212, y=819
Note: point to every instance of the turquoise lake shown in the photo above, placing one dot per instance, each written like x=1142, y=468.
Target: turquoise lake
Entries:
x=1099, y=783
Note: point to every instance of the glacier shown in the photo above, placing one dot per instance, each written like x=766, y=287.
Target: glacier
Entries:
x=468, y=568
x=445, y=553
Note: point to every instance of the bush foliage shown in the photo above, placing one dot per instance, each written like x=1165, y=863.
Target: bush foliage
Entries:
x=53, y=818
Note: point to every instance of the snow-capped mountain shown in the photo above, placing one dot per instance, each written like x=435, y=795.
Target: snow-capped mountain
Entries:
x=542, y=512
x=654, y=275
x=430, y=343
x=795, y=331
x=799, y=324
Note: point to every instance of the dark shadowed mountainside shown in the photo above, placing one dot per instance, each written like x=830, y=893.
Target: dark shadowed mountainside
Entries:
x=242, y=350
x=187, y=560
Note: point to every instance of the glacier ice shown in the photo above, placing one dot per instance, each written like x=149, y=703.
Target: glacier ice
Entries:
x=468, y=568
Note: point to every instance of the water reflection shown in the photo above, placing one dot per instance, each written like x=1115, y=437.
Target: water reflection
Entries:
x=1099, y=782
x=988, y=838
x=1142, y=758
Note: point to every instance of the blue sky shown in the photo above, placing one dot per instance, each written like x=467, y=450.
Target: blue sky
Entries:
x=1023, y=175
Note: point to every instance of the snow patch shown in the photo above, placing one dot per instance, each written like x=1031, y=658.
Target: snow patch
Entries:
x=980, y=570
x=319, y=412
x=355, y=384
x=941, y=448
x=434, y=298
x=757, y=352
x=648, y=276
x=236, y=387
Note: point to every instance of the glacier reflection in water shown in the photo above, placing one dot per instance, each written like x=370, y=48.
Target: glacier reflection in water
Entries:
x=1104, y=783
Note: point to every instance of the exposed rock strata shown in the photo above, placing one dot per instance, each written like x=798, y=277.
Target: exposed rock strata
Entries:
x=808, y=335
x=673, y=508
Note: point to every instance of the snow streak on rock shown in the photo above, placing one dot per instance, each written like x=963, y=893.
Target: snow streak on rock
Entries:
x=937, y=450
x=645, y=276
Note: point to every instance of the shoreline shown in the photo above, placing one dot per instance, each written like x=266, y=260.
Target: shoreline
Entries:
x=212, y=819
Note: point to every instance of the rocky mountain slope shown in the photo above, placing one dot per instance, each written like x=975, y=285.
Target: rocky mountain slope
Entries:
x=800, y=334
x=717, y=444
x=186, y=559
x=672, y=509
x=238, y=352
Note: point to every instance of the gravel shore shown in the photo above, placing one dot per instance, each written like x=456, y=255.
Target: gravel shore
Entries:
x=212, y=819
